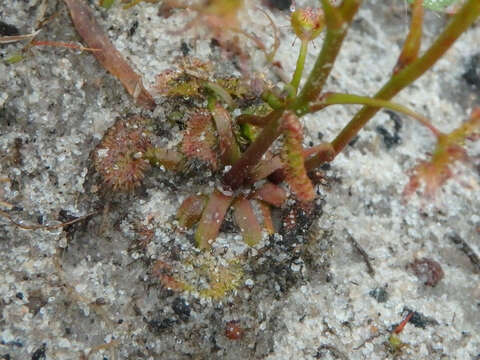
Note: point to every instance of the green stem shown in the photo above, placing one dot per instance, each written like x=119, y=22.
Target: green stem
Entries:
x=337, y=99
x=411, y=47
x=297, y=76
x=274, y=101
x=219, y=91
x=239, y=172
x=459, y=23
x=336, y=20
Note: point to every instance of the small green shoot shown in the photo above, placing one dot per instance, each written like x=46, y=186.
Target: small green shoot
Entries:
x=107, y=4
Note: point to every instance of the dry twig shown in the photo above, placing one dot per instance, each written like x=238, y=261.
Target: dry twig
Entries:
x=109, y=57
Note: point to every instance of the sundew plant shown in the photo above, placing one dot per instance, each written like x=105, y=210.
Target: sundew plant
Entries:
x=242, y=137
x=258, y=154
x=211, y=214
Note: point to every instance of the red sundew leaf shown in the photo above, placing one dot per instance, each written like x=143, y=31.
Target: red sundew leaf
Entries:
x=449, y=149
x=229, y=150
x=246, y=220
x=211, y=220
x=108, y=56
x=190, y=211
x=292, y=156
x=434, y=173
x=272, y=194
x=119, y=158
x=199, y=139
x=267, y=217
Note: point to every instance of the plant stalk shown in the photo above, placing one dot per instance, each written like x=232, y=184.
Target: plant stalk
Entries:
x=336, y=22
x=297, y=76
x=337, y=99
x=459, y=24
x=239, y=172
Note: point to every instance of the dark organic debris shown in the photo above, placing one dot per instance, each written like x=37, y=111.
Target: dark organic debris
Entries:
x=297, y=220
x=380, y=294
x=391, y=139
x=467, y=250
x=278, y=4
x=472, y=75
x=8, y=30
x=337, y=354
x=158, y=326
x=363, y=253
x=427, y=270
x=36, y=300
x=184, y=48
x=133, y=28
x=419, y=320
x=39, y=354
x=181, y=308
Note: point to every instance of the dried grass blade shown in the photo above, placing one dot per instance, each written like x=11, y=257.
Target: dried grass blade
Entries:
x=15, y=38
x=110, y=58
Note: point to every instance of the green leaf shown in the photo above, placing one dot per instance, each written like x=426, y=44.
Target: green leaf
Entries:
x=15, y=58
x=106, y=3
